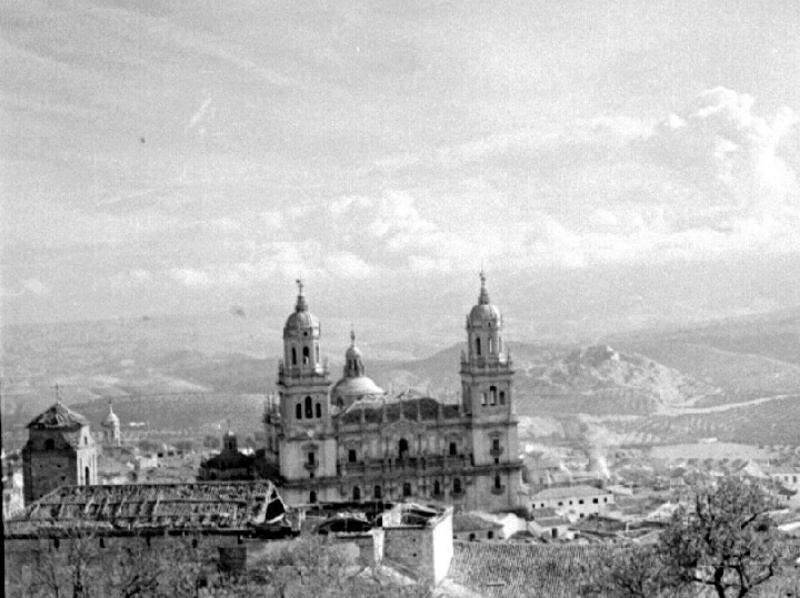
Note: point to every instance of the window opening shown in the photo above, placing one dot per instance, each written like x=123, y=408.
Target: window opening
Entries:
x=402, y=448
x=356, y=493
x=294, y=356
x=309, y=411
x=319, y=410
x=453, y=449
x=406, y=489
x=306, y=356
x=351, y=455
x=377, y=492
x=478, y=347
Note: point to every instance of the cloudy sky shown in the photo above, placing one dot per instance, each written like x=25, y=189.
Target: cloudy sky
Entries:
x=176, y=156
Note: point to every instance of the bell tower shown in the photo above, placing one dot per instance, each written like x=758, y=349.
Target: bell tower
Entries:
x=488, y=401
x=486, y=374
x=307, y=446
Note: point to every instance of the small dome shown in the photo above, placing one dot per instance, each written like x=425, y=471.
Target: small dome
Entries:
x=484, y=312
x=110, y=419
x=301, y=322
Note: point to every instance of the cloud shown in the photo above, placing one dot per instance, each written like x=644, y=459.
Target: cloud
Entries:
x=36, y=288
x=191, y=277
x=730, y=153
x=137, y=277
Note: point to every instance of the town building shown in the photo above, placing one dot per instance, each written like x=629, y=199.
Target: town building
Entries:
x=353, y=441
x=13, y=500
x=573, y=502
x=230, y=464
x=60, y=450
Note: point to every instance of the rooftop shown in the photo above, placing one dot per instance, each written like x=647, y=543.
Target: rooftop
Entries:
x=422, y=408
x=569, y=492
x=465, y=522
x=57, y=417
x=199, y=506
x=515, y=569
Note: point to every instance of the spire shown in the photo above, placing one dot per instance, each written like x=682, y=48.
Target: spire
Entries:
x=483, y=298
x=352, y=335
x=302, y=305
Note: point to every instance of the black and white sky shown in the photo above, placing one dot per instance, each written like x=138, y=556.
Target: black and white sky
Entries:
x=175, y=156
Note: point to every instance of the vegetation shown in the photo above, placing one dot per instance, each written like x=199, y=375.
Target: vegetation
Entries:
x=725, y=542
x=80, y=565
x=83, y=565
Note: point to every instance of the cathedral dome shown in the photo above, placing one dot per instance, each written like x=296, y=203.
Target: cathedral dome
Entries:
x=301, y=322
x=356, y=387
x=354, y=383
x=484, y=312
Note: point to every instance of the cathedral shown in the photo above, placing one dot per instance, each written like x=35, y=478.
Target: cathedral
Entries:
x=352, y=441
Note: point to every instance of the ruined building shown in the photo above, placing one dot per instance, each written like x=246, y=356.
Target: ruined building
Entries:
x=352, y=441
x=60, y=450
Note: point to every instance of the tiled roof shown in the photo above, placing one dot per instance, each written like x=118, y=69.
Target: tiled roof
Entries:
x=58, y=416
x=195, y=506
x=516, y=570
x=569, y=492
x=426, y=407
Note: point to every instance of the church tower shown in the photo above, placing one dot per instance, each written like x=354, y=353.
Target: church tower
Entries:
x=488, y=400
x=60, y=450
x=110, y=426
x=307, y=447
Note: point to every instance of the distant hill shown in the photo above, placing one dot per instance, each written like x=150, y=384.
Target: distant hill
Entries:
x=656, y=385
x=746, y=357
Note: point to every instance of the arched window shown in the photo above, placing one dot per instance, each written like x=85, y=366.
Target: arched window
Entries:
x=489, y=535
x=87, y=476
x=309, y=408
x=497, y=483
x=312, y=497
x=453, y=449
x=478, y=347
x=406, y=489
x=49, y=444
x=437, y=488
x=483, y=399
x=356, y=493
x=306, y=356
x=491, y=345
x=377, y=492
x=319, y=410
x=493, y=395
x=298, y=411
x=294, y=356
x=457, y=486
x=502, y=397
x=402, y=448
x=472, y=537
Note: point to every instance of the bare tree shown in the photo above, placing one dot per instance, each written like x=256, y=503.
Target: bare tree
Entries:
x=726, y=541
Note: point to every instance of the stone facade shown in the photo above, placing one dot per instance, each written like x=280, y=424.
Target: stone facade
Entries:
x=340, y=445
x=60, y=450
